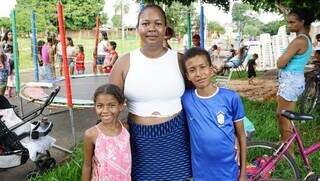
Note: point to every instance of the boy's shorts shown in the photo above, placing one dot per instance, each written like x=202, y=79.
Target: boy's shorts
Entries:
x=291, y=85
x=100, y=59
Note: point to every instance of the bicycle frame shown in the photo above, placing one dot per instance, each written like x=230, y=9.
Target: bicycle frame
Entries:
x=283, y=148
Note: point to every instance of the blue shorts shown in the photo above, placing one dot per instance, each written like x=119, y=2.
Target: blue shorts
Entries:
x=100, y=59
x=291, y=85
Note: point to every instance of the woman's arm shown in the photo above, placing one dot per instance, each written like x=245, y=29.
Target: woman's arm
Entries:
x=88, y=154
x=297, y=45
x=113, y=60
x=240, y=133
x=119, y=71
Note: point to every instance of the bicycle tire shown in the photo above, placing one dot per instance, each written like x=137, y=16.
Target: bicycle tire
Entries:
x=309, y=96
x=285, y=169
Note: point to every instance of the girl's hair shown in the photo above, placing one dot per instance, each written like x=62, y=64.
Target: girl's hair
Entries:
x=110, y=89
x=40, y=43
x=305, y=14
x=113, y=44
x=5, y=37
x=191, y=53
x=81, y=49
x=70, y=41
x=153, y=6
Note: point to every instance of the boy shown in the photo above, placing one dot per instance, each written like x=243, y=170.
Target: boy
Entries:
x=252, y=68
x=215, y=120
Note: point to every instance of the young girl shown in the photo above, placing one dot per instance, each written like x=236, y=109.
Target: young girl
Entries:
x=107, y=153
x=215, y=118
x=3, y=74
x=111, y=56
x=80, y=60
x=252, y=68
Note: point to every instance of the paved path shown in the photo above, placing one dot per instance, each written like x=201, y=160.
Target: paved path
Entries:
x=61, y=131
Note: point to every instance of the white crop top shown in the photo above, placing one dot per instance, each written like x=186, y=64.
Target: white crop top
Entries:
x=154, y=86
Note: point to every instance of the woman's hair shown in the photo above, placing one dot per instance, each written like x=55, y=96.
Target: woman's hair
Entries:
x=305, y=14
x=81, y=49
x=70, y=41
x=113, y=44
x=155, y=7
x=169, y=32
x=104, y=35
x=2, y=58
x=5, y=37
x=110, y=89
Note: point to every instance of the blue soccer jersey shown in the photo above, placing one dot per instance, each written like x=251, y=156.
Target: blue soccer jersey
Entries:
x=212, y=133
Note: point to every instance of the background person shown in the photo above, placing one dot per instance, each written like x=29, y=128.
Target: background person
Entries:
x=158, y=128
x=291, y=66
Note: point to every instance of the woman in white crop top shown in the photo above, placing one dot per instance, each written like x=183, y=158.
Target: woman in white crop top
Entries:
x=153, y=85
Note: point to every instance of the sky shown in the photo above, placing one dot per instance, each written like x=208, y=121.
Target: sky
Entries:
x=212, y=13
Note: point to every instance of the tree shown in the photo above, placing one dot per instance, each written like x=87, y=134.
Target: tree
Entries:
x=214, y=26
x=281, y=6
x=79, y=14
x=176, y=16
x=5, y=22
x=272, y=27
x=239, y=15
x=116, y=21
x=251, y=30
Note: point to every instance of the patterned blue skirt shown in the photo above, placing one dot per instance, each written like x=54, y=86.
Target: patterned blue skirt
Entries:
x=162, y=151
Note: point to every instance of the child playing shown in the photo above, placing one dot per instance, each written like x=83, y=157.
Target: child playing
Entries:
x=80, y=60
x=107, y=153
x=215, y=118
x=252, y=68
x=111, y=57
x=3, y=74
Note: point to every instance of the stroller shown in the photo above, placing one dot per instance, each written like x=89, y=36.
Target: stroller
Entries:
x=21, y=140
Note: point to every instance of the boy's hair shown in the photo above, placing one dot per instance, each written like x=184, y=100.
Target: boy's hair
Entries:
x=317, y=52
x=318, y=37
x=81, y=49
x=215, y=47
x=255, y=55
x=110, y=89
x=193, y=52
x=113, y=44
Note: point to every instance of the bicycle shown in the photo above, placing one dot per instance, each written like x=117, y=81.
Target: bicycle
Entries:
x=269, y=161
x=311, y=95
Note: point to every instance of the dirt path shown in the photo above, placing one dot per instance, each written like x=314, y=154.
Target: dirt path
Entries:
x=264, y=87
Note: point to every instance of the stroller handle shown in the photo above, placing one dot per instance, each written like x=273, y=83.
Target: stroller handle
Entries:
x=38, y=111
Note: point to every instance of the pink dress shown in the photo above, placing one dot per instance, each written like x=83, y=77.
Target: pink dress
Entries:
x=112, y=157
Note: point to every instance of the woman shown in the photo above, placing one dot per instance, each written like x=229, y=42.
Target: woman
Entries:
x=71, y=54
x=7, y=46
x=159, y=137
x=102, y=51
x=291, y=66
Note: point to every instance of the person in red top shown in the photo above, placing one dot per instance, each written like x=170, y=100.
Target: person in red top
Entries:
x=80, y=60
x=111, y=57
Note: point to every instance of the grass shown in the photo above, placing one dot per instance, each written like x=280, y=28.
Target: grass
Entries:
x=262, y=114
x=123, y=46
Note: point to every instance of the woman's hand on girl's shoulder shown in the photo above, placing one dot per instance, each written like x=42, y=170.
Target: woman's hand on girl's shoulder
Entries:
x=125, y=124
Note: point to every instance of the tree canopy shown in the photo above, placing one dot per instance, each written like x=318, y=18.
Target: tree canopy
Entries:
x=282, y=6
x=79, y=14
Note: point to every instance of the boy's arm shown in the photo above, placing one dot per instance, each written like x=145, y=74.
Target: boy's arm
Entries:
x=243, y=148
x=88, y=154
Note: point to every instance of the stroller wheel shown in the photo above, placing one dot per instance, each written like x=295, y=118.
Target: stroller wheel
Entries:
x=32, y=174
x=45, y=162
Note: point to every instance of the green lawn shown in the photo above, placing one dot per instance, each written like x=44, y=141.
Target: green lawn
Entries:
x=123, y=46
x=262, y=114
